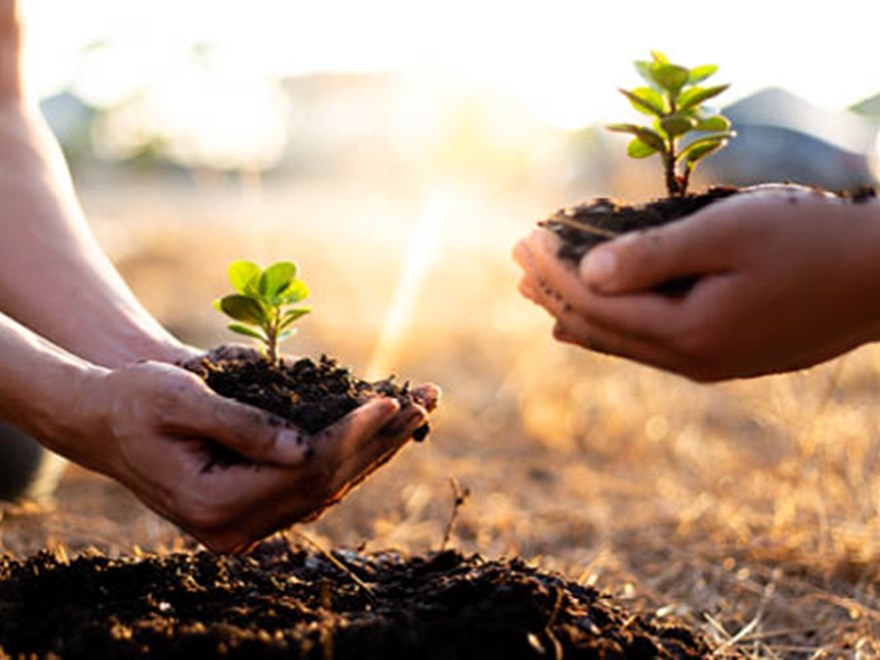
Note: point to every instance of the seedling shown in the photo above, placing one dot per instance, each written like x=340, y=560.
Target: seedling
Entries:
x=674, y=98
x=262, y=302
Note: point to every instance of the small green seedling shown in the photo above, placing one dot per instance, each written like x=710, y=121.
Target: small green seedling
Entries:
x=262, y=302
x=674, y=98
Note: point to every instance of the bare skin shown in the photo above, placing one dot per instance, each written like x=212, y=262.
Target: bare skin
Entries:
x=89, y=373
x=788, y=278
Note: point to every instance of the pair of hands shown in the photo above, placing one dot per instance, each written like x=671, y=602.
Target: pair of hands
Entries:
x=160, y=424
x=786, y=278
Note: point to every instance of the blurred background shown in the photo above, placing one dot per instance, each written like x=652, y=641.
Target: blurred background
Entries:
x=397, y=150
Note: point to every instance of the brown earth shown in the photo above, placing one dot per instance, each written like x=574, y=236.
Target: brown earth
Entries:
x=284, y=601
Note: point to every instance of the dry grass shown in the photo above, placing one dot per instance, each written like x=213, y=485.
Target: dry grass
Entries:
x=748, y=509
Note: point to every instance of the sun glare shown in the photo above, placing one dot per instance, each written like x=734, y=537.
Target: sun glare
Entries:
x=422, y=247
x=562, y=57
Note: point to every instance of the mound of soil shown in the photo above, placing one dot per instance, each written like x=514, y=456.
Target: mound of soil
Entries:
x=310, y=394
x=282, y=601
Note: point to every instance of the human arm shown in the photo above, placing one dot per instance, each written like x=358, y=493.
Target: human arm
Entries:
x=787, y=278
x=54, y=277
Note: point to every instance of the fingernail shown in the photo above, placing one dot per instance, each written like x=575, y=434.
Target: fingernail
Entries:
x=291, y=446
x=598, y=267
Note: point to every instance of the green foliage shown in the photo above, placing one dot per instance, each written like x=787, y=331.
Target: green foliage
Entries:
x=674, y=98
x=262, y=302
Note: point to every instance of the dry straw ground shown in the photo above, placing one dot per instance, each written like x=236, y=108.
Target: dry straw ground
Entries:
x=748, y=509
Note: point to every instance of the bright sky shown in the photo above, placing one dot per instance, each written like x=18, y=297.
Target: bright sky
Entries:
x=564, y=58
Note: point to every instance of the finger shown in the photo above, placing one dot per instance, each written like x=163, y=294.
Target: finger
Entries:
x=331, y=445
x=528, y=288
x=375, y=452
x=522, y=254
x=246, y=430
x=409, y=418
x=428, y=395
x=639, y=261
x=572, y=329
x=561, y=292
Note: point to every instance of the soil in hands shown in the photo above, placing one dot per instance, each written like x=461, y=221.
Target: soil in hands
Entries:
x=584, y=226
x=283, y=601
x=310, y=394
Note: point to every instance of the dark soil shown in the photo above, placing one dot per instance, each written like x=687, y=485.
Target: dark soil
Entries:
x=586, y=225
x=285, y=602
x=311, y=395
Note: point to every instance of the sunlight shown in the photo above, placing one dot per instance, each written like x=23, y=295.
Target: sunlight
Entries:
x=421, y=249
x=562, y=58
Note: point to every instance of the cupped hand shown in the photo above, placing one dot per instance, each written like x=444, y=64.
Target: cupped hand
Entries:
x=157, y=428
x=786, y=278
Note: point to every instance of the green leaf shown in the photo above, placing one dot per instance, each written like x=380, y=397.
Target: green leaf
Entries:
x=713, y=123
x=287, y=333
x=691, y=98
x=646, y=100
x=700, y=73
x=242, y=275
x=276, y=279
x=296, y=291
x=659, y=57
x=243, y=308
x=644, y=69
x=677, y=124
x=700, y=151
x=244, y=330
x=638, y=149
x=704, y=146
x=670, y=77
x=293, y=315
x=646, y=135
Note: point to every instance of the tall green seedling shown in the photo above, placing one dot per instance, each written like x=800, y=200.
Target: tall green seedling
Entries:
x=263, y=305
x=683, y=131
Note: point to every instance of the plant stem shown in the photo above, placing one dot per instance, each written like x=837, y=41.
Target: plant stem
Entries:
x=674, y=185
x=669, y=164
x=272, y=338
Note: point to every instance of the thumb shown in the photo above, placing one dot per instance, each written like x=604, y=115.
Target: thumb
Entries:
x=642, y=260
x=246, y=430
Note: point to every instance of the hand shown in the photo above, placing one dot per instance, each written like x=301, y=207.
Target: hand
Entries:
x=786, y=278
x=156, y=428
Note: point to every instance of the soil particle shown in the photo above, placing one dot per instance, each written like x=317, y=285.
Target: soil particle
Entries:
x=281, y=601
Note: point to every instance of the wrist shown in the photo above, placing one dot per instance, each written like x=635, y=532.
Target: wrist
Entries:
x=54, y=407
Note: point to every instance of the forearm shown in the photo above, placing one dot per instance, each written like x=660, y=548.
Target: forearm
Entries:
x=41, y=390
x=54, y=278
